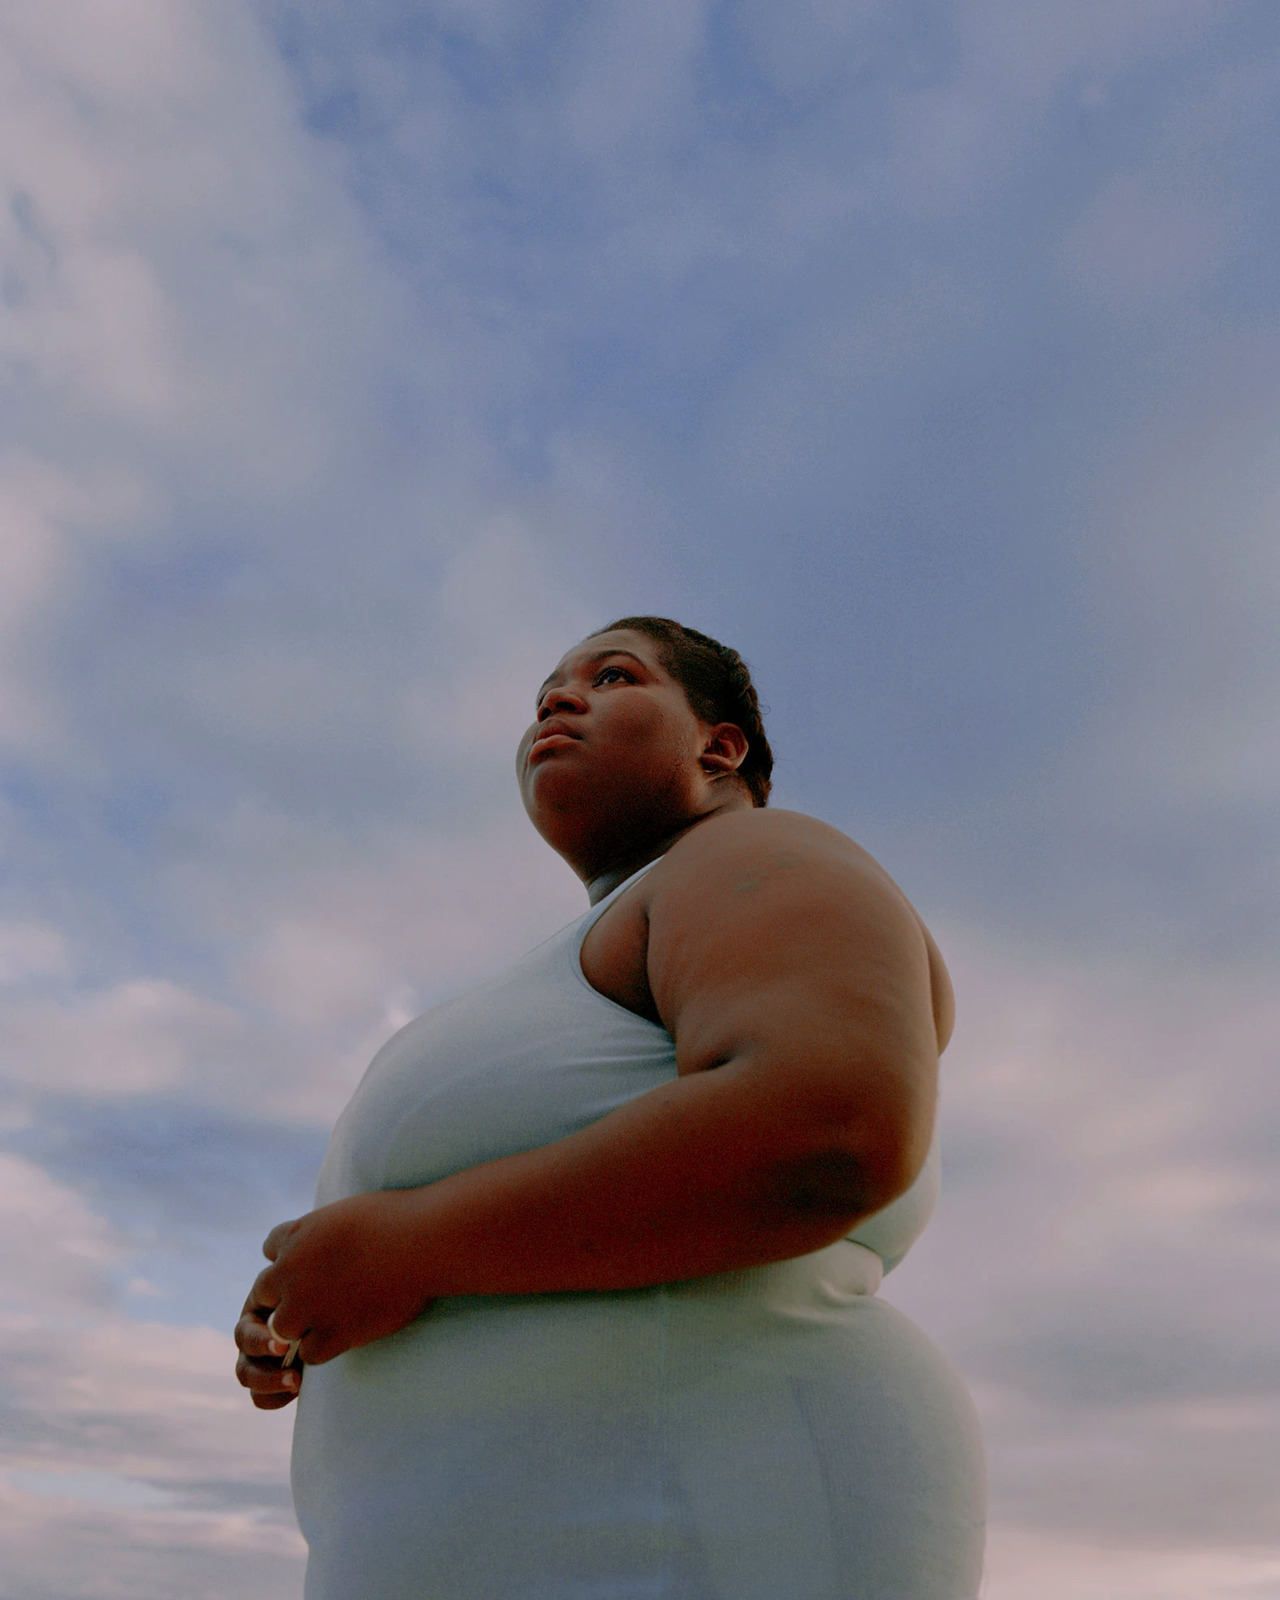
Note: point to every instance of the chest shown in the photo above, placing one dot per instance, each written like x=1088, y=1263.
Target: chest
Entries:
x=520, y=1062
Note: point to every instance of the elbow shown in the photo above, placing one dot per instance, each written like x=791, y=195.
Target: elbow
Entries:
x=851, y=1178
x=839, y=1186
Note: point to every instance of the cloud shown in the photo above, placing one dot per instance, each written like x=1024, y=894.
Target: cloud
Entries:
x=30, y=950
x=355, y=370
x=142, y=1401
x=142, y=1035
x=1021, y=1562
x=822, y=46
x=48, y=514
x=1139, y=250
x=1098, y=1261
x=171, y=237
x=132, y=1462
x=959, y=135
x=1190, y=554
x=635, y=68
x=55, y=1252
x=170, y=246
x=135, y=1466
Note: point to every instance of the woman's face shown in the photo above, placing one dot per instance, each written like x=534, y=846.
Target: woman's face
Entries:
x=615, y=750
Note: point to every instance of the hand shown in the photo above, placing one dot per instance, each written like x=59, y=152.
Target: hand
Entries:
x=259, y=1366
x=339, y=1277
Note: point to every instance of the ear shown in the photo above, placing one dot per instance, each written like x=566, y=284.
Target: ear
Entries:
x=724, y=749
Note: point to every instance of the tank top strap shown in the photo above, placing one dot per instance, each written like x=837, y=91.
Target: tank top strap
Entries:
x=589, y=918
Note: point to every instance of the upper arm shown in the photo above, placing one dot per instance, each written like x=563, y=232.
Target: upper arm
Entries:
x=778, y=946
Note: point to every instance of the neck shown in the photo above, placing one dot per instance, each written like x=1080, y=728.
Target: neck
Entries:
x=605, y=879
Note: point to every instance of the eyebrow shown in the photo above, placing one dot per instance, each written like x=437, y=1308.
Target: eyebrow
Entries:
x=600, y=655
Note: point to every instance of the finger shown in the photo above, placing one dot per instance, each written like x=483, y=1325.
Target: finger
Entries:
x=285, y=1325
x=254, y=1337
x=267, y=1377
x=272, y=1402
x=318, y=1346
x=266, y=1293
x=286, y=1349
x=268, y=1390
x=271, y=1244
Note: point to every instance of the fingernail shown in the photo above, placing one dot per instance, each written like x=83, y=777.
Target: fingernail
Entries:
x=291, y=1380
x=277, y=1347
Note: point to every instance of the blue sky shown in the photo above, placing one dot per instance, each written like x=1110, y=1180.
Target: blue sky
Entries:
x=356, y=359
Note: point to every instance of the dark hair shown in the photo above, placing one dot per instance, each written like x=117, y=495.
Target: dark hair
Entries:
x=718, y=685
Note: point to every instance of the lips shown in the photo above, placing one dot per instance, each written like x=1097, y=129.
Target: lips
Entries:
x=552, y=735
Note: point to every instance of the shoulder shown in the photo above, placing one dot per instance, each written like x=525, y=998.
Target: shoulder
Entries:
x=741, y=853
x=762, y=876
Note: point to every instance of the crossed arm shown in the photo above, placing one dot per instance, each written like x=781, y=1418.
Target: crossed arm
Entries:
x=796, y=982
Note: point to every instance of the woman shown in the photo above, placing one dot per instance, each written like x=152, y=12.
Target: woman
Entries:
x=587, y=1305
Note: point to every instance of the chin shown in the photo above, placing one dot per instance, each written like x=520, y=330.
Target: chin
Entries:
x=549, y=789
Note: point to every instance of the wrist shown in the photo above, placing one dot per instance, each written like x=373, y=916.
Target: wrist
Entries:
x=404, y=1225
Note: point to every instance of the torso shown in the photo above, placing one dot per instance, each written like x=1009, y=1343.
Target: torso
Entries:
x=465, y=1455
x=615, y=953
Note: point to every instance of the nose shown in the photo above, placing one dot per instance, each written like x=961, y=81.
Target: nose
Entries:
x=561, y=699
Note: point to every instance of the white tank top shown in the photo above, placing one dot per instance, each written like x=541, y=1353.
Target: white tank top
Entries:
x=513, y=1445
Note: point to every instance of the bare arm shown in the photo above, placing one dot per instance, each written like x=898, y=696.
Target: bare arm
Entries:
x=795, y=981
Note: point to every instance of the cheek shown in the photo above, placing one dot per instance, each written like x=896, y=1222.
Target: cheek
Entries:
x=634, y=722
x=649, y=734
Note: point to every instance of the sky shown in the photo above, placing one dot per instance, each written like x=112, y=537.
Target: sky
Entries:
x=357, y=359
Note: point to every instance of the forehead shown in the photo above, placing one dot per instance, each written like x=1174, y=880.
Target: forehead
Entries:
x=605, y=644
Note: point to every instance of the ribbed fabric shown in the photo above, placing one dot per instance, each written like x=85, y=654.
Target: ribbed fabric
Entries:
x=777, y=1433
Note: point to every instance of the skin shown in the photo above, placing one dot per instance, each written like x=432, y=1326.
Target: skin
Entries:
x=807, y=1003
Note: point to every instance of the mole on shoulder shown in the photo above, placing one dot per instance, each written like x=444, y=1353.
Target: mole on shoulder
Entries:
x=780, y=860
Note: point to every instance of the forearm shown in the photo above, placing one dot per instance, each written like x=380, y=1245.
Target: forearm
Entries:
x=694, y=1178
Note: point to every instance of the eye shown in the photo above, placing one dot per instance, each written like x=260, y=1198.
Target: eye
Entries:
x=605, y=673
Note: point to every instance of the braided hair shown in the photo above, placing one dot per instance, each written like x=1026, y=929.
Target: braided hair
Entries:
x=717, y=684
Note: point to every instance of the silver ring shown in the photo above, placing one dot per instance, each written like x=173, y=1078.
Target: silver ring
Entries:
x=287, y=1359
